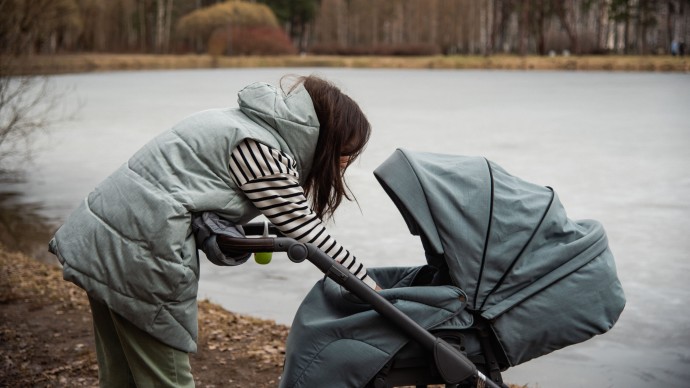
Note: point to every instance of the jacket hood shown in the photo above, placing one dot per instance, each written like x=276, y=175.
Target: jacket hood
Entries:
x=291, y=115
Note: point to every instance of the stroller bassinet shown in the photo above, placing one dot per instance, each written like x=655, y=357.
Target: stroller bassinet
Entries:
x=543, y=281
x=508, y=278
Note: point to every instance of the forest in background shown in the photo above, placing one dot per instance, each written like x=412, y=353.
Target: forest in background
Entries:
x=344, y=27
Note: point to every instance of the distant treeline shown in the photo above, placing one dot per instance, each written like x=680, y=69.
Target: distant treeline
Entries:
x=349, y=27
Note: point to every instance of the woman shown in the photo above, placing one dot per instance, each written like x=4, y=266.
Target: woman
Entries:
x=130, y=245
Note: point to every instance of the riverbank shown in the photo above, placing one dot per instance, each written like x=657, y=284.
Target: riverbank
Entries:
x=46, y=336
x=79, y=63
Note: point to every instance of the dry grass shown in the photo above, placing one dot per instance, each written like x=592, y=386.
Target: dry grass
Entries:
x=58, y=64
x=46, y=338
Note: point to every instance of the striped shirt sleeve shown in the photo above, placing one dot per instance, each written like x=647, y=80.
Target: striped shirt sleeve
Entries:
x=270, y=180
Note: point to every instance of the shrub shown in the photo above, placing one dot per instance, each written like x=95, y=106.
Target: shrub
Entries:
x=260, y=40
x=412, y=49
x=201, y=27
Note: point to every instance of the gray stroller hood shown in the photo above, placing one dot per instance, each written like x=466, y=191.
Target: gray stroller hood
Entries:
x=543, y=280
x=501, y=255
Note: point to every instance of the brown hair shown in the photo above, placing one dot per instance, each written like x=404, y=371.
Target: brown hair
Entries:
x=344, y=131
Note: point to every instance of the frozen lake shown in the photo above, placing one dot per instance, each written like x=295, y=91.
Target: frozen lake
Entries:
x=614, y=146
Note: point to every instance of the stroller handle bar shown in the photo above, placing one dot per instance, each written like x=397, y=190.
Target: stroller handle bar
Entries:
x=453, y=366
x=253, y=245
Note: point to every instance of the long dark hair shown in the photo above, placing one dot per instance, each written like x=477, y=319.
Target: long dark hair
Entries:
x=344, y=131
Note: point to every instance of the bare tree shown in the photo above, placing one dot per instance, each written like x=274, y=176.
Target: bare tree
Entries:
x=163, y=21
x=28, y=104
x=565, y=11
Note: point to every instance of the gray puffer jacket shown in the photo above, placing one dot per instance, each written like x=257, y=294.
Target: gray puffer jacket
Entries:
x=130, y=244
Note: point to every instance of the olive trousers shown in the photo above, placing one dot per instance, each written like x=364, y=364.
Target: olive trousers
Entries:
x=130, y=357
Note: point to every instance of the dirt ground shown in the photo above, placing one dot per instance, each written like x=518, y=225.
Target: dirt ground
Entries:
x=46, y=337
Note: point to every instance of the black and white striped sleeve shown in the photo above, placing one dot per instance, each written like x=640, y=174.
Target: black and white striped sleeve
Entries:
x=270, y=180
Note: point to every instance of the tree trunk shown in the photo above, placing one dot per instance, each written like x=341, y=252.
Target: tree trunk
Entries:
x=669, y=25
x=160, y=25
x=168, y=26
x=566, y=14
x=523, y=27
x=540, y=27
x=143, y=46
x=626, y=29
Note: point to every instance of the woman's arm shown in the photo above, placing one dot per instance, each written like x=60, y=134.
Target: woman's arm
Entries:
x=270, y=180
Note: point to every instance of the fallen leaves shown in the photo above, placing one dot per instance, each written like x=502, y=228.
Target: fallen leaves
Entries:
x=46, y=337
x=226, y=332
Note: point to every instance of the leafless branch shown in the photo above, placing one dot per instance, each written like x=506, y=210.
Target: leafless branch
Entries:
x=28, y=106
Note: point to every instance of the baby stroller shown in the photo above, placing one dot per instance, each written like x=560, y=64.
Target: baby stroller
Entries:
x=508, y=278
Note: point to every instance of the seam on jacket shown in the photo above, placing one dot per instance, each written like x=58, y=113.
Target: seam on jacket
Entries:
x=159, y=306
x=110, y=228
x=257, y=119
x=141, y=243
x=174, y=131
x=165, y=306
x=190, y=202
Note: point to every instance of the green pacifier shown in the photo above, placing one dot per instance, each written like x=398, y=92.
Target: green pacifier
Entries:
x=263, y=258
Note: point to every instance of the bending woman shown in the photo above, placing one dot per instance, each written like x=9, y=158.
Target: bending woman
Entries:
x=130, y=246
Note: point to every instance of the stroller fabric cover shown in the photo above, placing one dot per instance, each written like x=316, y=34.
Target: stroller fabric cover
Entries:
x=541, y=280
x=336, y=340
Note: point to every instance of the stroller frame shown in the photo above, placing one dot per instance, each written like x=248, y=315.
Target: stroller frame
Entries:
x=452, y=365
x=420, y=372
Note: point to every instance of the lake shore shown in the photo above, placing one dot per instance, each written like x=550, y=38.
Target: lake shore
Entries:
x=46, y=336
x=80, y=63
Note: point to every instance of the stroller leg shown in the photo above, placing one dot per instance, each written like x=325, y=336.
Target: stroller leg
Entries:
x=494, y=371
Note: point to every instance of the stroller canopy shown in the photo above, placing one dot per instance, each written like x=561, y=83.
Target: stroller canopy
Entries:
x=503, y=239
x=540, y=280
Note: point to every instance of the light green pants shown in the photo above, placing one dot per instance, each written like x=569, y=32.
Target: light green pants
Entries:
x=129, y=357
